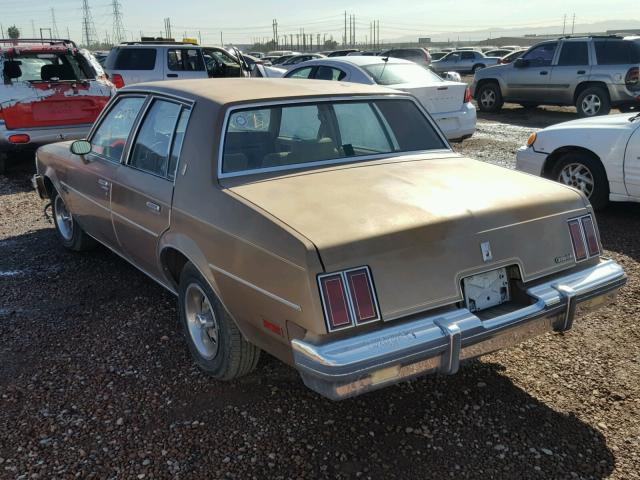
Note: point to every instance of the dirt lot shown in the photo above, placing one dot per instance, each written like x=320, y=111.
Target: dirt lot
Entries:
x=96, y=382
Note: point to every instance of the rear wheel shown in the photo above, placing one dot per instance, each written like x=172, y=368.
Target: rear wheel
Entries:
x=215, y=343
x=71, y=235
x=583, y=171
x=592, y=102
x=489, y=98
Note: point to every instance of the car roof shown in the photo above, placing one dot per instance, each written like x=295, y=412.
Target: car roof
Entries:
x=224, y=91
x=360, y=60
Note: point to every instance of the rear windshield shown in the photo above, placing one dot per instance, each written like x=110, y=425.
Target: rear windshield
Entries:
x=617, y=52
x=290, y=136
x=132, y=59
x=34, y=67
x=397, y=73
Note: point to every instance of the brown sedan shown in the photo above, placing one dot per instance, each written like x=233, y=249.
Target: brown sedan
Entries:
x=328, y=224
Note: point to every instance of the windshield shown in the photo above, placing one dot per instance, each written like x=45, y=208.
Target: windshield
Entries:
x=397, y=73
x=48, y=66
x=292, y=136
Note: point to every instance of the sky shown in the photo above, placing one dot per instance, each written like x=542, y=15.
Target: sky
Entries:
x=242, y=22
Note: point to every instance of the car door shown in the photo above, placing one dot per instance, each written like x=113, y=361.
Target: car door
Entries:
x=467, y=61
x=632, y=164
x=184, y=62
x=90, y=177
x=529, y=80
x=449, y=62
x=571, y=68
x=143, y=189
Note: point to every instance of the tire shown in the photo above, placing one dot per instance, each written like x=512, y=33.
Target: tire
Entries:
x=216, y=345
x=585, y=165
x=69, y=232
x=592, y=102
x=477, y=67
x=529, y=106
x=489, y=98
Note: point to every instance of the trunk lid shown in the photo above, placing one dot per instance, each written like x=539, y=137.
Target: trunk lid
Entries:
x=419, y=224
x=438, y=97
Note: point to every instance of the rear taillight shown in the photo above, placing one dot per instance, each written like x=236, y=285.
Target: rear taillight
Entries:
x=19, y=138
x=632, y=79
x=117, y=80
x=467, y=95
x=590, y=236
x=583, y=238
x=348, y=298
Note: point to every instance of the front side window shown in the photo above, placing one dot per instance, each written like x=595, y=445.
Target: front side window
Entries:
x=185, y=59
x=307, y=133
x=541, y=56
x=574, y=53
x=111, y=135
x=151, y=148
x=399, y=73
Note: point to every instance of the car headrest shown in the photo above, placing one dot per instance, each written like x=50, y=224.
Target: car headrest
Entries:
x=12, y=69
x=61, y=72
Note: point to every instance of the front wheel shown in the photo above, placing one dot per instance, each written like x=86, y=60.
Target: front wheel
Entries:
x=582, y=171
x=490, y=98
x=592, y=102
x=71, y=235
x=216, y=345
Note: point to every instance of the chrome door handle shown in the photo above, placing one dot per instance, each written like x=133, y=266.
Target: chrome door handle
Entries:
x=153, y=206
x=103, y=184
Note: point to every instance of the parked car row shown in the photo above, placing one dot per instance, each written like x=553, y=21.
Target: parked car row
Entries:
x=328, y=224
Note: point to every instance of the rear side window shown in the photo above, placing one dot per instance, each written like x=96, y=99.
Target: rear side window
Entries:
x=185, y=59
x=329, y=73
x=135, y=59
x=541, y=56
x=574, y=53
x=617, y=52
x=152, y=145
x=324, y=131
x=468, y=55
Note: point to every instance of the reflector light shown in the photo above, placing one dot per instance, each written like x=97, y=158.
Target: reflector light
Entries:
x=362, y=297
x=590, y=236
x=117, y=80
x=335, y=301
x=19, y=138
x=579, y=248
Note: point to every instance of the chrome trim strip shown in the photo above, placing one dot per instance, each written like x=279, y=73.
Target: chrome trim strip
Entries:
x=89, y=199
x=328, y=99
x=128, y=220
x=342, y=367
x=272, y=296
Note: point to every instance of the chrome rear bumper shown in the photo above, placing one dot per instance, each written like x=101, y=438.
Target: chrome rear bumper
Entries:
x=438, y=343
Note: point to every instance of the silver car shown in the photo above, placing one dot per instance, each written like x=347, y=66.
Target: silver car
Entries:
x=592, y=73
x=463, y=61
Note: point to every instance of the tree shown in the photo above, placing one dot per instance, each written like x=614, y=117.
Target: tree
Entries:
x=330, y=44
x=13, y=32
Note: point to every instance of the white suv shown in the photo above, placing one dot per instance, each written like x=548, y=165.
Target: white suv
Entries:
x=135, y=62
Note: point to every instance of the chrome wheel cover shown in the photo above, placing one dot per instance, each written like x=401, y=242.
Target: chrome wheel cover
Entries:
x=488, y=98
x=578, y=176
x=64, y=220
x=591, y=105
x=201, y=322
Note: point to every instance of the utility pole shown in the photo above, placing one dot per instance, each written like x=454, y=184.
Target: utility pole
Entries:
x=573, y=23
x=54, y=25
x=167, y=28
x=291, y=40
x=564, y=23
x=1, y=30
x=33, y=29
x=199, y=37
x=221, y=42
x=274, y=25
x=344, y=43
x=88, y=28
x=117, y=34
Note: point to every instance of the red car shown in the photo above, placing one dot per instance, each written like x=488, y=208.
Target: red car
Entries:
x=50, y=91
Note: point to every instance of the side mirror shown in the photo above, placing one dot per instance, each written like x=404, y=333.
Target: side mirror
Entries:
x=80, y=147
x=521, y=63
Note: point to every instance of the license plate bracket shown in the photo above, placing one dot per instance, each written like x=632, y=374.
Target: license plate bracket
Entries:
x=486, y=290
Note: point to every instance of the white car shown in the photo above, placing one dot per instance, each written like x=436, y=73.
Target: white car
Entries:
x=599, y=156
x=449, y=103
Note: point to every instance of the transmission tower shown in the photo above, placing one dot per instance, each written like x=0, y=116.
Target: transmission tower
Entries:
x=89, y=35
x=117, y=35
x=54, y=25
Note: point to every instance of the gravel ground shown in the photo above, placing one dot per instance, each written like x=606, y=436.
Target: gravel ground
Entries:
x=96, y=382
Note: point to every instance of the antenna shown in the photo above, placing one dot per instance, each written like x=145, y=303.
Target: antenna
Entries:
x=54, y=25
x=117, y=34
x=88, y=28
